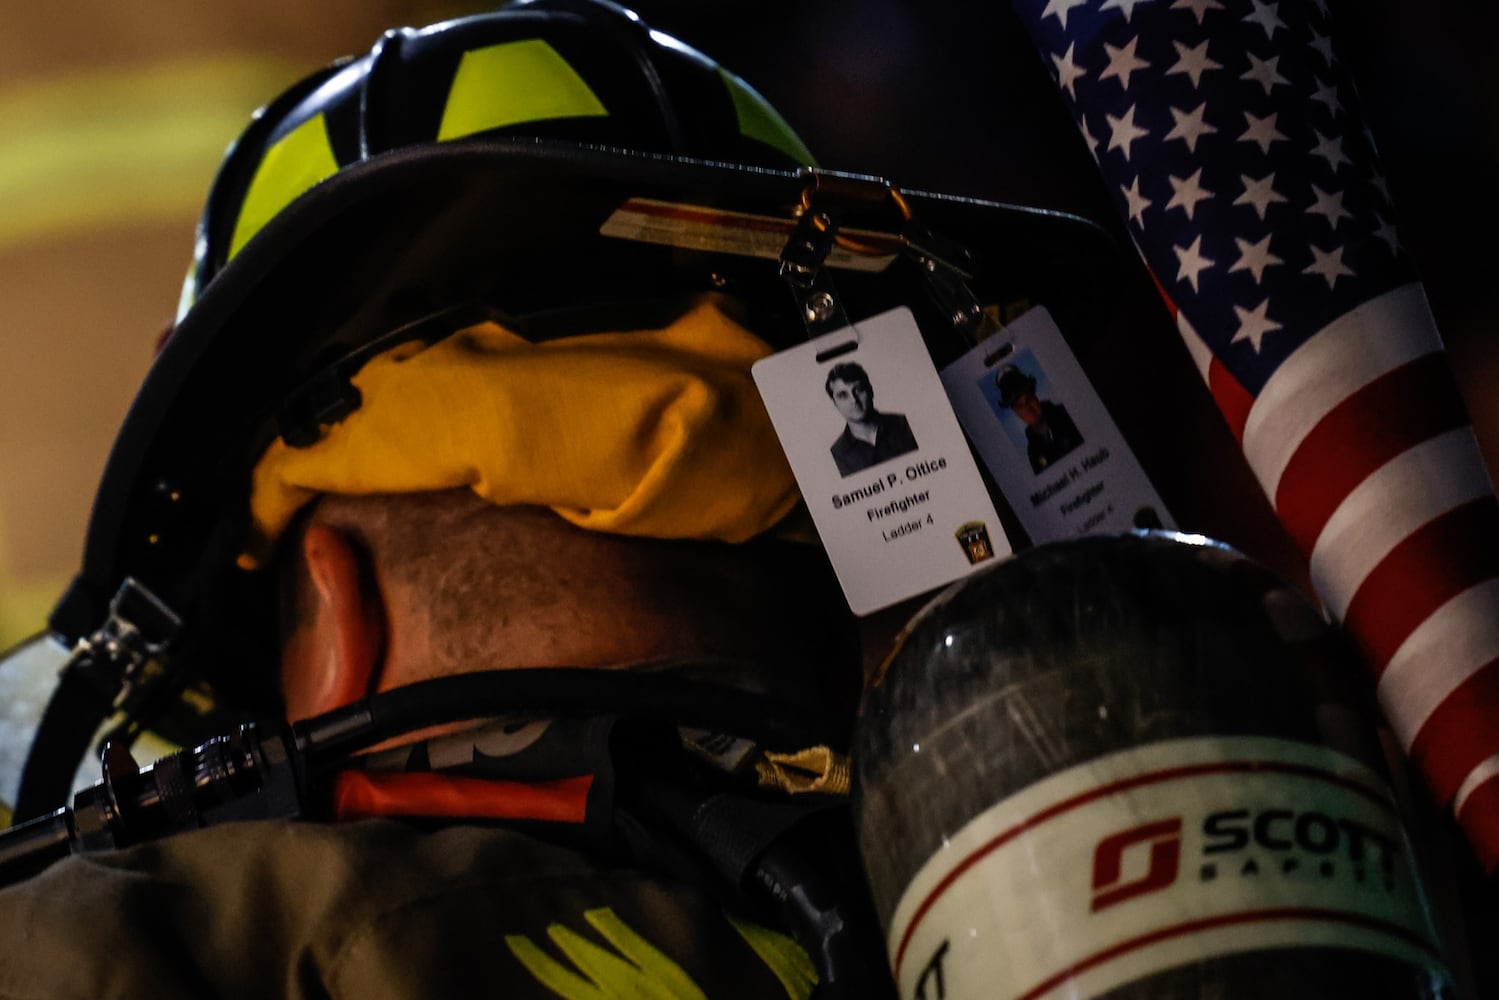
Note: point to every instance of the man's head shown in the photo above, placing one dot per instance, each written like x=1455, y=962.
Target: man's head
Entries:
x=848, y=387
x=384, y=590
x=1017, y=392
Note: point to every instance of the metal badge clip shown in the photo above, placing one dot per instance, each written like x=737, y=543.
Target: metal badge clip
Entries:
x=803, y=261
x=945, y=268
x=139, y=628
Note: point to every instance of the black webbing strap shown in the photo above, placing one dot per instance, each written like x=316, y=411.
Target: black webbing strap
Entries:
x=75, y=711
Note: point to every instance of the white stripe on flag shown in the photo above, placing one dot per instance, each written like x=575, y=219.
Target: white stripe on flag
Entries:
x=1446, y=649
x=1350, y=352
x=1202, y=354
x=1402, y=495
x=1483, y=772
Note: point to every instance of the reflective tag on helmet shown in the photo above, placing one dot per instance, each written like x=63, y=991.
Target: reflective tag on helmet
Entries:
x=1046, y=438
x=891, y=485
x=698, y=227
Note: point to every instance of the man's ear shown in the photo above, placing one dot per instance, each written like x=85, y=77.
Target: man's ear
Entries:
x=332, y=657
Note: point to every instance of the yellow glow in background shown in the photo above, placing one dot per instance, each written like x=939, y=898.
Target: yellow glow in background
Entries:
x=113, y=120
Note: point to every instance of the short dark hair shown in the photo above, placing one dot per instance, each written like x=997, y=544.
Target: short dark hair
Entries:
x=847, y=371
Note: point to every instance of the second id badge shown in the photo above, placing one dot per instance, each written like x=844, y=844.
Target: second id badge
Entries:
x=891, y=485
x=1045, y=437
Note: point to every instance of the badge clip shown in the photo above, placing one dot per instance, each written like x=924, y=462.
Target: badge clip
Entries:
x=946, y=267
x=803, y=268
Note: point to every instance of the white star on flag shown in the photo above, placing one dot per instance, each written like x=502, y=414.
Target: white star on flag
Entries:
x=1194, y=62
x=1123, y=132
x=1122, y=62
x=1068, y=72
x=1265, y=72
x=1138, y=203
x=1262, y=131
x=1189, y=191
x=1329, y=264
x=1190, y=127
x=1266, y=17
x=1254, y=324
x=1259, y=193
x=1192, y=262
x=1089, y=138
x=1254, y=258
x=1330, y=148
x=1385, y=231
x=1322, y=45
x=1059, y=9
x=1329, y=205
x=1326, y=93
x=1198, y=7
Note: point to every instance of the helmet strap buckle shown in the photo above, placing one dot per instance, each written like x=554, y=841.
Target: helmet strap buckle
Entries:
x=140, y=626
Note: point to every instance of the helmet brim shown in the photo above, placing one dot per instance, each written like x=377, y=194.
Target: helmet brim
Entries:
x=514, y=223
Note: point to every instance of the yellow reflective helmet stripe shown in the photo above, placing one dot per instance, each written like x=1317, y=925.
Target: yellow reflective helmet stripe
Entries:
x=512, y=83
x=758, y=120
x=298, y=160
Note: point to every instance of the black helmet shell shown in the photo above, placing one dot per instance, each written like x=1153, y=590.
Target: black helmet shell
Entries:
x=585, y=71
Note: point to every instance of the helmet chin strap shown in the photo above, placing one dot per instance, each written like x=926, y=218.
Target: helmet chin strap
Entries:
x=105, y=669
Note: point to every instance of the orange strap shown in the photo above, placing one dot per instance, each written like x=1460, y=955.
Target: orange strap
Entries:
x=362, y=794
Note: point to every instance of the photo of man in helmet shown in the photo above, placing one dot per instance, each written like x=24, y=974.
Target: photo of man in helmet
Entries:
x=870, y=436
x=1049, y=430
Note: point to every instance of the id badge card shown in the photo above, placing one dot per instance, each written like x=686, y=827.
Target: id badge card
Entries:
x=883, y=468
x=1045, y=437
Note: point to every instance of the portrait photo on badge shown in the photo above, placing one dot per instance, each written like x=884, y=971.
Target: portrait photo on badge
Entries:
x=1034, y=417
x=869, y=434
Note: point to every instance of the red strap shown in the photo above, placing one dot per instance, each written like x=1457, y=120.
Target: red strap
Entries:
x=360, y=794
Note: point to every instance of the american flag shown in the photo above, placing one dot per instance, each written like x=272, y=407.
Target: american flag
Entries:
x=1232, y=138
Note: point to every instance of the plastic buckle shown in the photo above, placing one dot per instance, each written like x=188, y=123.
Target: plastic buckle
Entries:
x=324, y=400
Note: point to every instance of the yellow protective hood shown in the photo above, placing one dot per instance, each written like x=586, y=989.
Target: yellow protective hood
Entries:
x=656, y=433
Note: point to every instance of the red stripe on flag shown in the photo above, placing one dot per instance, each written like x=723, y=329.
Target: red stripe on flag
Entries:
x=1435, y=563
x=1161, y=290
x=1461, y=734
x=1398, y=410
x=1232, y=398
x=1479, y=818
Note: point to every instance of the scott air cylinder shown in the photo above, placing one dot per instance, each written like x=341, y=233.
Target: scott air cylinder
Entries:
x=1134, y=767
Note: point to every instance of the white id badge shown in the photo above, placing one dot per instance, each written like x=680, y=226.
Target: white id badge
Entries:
x=897, y=499
x=1045, y=436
